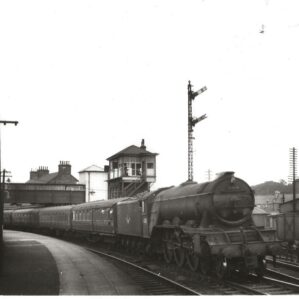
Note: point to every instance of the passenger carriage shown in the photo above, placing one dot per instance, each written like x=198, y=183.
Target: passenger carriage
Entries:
x=25, y=218
x=56, y=218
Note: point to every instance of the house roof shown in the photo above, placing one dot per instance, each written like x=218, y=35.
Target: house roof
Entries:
x=92, y=168
x=132, y=150
x=46, y=179
x=43, y=179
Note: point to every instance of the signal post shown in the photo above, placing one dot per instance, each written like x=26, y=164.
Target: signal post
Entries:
x=191, y=123
x=4, y=122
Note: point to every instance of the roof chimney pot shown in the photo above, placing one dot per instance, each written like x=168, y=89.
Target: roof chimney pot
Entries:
x=143, y=145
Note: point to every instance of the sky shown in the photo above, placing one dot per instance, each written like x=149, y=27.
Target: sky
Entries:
x=85, y=79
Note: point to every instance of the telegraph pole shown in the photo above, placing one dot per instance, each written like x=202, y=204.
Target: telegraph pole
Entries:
x=209, y=174
x=293, y=170
x=4, y=122
x=191, y=123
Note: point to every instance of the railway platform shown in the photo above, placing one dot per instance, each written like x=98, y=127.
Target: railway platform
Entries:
x=27, y=268
x=32, y=264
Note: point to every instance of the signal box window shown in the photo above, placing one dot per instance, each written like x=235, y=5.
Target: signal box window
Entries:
x=150, y=169
x=136, y=169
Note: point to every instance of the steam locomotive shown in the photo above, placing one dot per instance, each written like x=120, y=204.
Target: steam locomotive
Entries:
x=206, y=226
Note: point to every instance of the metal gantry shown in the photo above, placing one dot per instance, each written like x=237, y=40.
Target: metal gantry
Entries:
x=191, y=123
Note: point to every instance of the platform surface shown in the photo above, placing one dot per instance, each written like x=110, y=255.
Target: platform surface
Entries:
x=32, y=264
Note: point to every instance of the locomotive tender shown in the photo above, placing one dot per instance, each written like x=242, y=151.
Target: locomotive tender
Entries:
x=208, y=226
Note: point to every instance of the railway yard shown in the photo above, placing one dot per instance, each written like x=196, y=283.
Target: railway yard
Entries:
x=73, y=266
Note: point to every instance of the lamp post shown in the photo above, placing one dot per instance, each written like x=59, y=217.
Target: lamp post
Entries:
x=4, y=122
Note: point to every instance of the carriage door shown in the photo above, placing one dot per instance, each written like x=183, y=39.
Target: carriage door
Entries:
x=144, y=219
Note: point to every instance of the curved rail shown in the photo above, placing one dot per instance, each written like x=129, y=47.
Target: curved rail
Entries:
x=157, y=284
x=283, y=276
x=289, y=265
x=267, y=286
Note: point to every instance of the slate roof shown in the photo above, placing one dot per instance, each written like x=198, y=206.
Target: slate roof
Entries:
x=132, y=150
x=46, y=179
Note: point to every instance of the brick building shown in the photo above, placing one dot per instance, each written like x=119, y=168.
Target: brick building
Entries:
x=43, y=176
x=47, y=189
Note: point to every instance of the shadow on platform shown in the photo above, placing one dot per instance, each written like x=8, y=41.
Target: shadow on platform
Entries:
x=27, y=268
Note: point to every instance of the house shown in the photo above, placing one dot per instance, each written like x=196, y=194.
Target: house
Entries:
x=43, y=176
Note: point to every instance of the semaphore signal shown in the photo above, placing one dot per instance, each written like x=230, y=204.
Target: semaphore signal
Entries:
x=191, y=123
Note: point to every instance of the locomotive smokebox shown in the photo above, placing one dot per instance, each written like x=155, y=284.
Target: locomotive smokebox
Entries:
x=226, y=200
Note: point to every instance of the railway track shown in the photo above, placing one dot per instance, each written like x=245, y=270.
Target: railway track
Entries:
x=148, y=275
x=283, y=276
x=268, y=285
x=150, y=282
x=284, y=263
x=153, y=283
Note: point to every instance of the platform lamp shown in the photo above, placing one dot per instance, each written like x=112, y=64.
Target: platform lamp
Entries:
x=4, y=122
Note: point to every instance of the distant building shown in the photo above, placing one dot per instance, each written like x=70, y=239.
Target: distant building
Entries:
x=269, y=203
x=131, y=171
x=260, y=217
x=273, y=203
x=95, y=180
x=47, y=189
x=43, y=176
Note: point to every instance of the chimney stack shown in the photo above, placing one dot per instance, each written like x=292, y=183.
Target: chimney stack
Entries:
x=33, y=175
x=42, y=170
x=142, y=145
x=64, y=167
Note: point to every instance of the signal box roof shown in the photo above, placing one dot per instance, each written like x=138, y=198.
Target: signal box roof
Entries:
x=132, y=151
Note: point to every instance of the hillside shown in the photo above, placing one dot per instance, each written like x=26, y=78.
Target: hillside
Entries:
x=270, y=187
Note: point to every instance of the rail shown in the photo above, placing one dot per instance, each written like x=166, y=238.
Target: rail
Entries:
x=157, y=285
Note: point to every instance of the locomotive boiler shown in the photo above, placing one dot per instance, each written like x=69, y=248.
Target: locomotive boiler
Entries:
x=226, y=201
